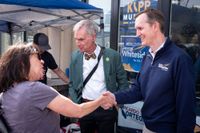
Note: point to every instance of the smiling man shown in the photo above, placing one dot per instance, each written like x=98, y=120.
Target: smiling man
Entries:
x=165, y=82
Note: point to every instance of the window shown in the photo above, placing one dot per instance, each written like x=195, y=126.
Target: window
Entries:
x=129, y=45
x=185, y=31
x=104, y=36
x=17, y=37
x=4, y=42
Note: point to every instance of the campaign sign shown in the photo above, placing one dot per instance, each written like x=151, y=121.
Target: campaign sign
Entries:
x=130, y=47
x=129, y=116
x=132, y=53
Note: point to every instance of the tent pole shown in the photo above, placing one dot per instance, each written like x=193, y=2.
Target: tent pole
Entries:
x=11, y=39
x=10, y=32
x=25, y=36
x=102, y=31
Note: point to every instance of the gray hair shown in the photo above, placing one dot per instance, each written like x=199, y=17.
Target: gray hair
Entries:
x=92, y=27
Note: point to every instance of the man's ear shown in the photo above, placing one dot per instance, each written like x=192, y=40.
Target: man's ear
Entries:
x=94, y=37
x=156, y=26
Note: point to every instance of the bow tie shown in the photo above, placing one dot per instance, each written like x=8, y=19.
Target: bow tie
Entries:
x=88, y=56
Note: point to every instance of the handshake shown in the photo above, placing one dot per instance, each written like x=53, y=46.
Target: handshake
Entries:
x=107, y=100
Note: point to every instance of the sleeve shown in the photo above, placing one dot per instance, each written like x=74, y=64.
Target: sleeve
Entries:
x=42, y=95
x=131, y=95
x=185, y=95
x=121, y=73
x=197, y=70
x=72, y=93
x=51, y=63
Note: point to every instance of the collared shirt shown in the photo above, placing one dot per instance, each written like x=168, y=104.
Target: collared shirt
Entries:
x=96, y=85
x=153, y=54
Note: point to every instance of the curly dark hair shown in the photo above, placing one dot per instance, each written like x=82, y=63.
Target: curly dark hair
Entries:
x=15, y=65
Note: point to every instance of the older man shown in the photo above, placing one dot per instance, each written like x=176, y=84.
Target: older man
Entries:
x=109, y=75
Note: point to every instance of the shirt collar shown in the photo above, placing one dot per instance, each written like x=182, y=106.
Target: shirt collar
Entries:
x=153, y=54
x=96, y=51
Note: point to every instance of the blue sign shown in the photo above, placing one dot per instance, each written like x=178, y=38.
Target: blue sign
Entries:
x=131, y=50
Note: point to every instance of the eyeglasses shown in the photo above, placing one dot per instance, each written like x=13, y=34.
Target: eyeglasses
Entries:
x=33, y=50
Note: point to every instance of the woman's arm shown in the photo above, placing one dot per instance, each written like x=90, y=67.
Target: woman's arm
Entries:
x=66, y=107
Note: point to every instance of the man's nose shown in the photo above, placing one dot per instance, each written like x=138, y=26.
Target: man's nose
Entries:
x=78, y=42
x=138, y=33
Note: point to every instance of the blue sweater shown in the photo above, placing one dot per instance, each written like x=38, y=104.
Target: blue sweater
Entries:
x=167, y=87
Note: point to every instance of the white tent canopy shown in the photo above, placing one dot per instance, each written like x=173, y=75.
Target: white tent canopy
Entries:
x=23, y=15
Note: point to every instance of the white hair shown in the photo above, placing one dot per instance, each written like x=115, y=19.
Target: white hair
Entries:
x=92, y=27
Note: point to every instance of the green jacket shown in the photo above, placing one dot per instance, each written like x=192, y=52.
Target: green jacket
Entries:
x=115, y=75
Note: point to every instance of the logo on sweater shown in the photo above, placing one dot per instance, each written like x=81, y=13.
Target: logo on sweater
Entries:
x=163, y=66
